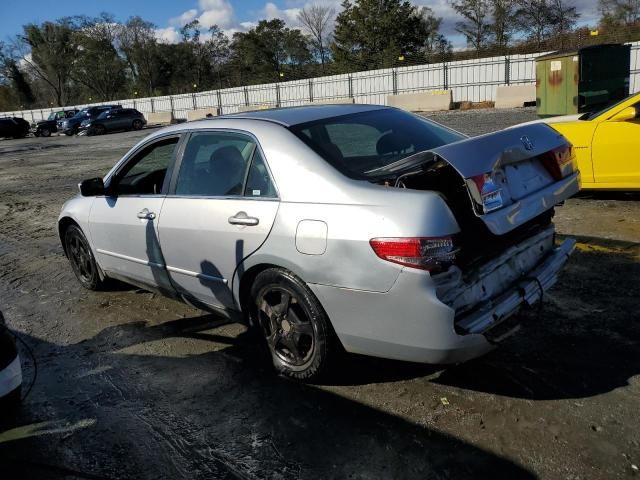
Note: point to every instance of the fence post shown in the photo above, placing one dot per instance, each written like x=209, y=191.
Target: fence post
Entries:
x=350, y=86
x=445, y=70
x=33, y=119
x=246, y=97
x=310, y=90
x=171, y=104
x=193, y=99
x=394, y=81
x=219, y=97
x=134, y=103
x=153, y=109
x=507, y=70
x=278, y=95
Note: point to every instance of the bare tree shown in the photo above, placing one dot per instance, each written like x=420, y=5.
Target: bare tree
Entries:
x=476, y=26
x=620, y=12
x=564, y=18
x=502, y=15
x=316, y=20
x=535, y=18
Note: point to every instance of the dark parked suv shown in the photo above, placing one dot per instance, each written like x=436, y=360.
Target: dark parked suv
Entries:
x=45, y=128
x=14, y=127
x=116, y=119
x=71, y=125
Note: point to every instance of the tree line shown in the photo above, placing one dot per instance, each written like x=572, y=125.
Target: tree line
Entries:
x=75, y=60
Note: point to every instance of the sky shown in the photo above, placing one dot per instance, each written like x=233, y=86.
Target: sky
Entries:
x=230, y=15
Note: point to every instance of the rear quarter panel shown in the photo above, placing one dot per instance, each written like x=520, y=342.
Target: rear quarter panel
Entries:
x=348, y=260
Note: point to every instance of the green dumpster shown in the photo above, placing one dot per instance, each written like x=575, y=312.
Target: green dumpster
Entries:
x=583, y=80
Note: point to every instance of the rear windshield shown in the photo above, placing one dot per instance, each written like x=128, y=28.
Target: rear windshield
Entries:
x=361, y=142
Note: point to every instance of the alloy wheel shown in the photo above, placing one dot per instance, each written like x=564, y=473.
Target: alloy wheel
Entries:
x=286, y=325
x=80, y=258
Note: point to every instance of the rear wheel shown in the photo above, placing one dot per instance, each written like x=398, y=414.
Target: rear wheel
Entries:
x=137, y=124
x=293, y=323
x=82, y=261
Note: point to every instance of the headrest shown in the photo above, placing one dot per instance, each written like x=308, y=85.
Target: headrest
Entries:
x=393, y=143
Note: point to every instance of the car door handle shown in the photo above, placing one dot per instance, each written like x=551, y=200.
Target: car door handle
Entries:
x=241, y=218
x=145, y=214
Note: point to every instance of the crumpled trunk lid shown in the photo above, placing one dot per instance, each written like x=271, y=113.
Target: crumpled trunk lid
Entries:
x=514, y=175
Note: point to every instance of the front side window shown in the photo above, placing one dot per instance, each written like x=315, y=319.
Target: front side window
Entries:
x=214, y=164
x=145, y=173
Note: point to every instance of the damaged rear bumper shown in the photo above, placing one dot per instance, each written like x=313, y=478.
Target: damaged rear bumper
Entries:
x=414, y=321
x=528, y=290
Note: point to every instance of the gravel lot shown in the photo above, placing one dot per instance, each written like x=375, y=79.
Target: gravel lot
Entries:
x=131, y=385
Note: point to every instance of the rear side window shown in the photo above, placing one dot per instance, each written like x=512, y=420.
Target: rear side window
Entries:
x=215, y=164
x=258, y=181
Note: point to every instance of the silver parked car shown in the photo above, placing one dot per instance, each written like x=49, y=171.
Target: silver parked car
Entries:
x=360, y=226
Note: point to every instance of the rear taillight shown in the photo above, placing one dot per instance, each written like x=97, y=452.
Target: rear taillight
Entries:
x=559, y=162
x=486, y=192
x=433, y=254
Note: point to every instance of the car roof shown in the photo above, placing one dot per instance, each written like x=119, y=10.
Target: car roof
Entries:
x=290, y=116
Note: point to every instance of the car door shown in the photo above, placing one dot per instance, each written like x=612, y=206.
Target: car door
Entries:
x=119, y=120
x=220, y=210
x=615, y=152
x=124, y=224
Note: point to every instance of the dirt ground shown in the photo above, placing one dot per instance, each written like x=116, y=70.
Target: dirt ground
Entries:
x=132, y=385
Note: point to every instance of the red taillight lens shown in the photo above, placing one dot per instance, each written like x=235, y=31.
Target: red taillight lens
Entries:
x=433, y=254
x=559, y=162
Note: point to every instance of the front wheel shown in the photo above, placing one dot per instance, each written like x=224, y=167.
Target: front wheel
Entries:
x=293, y=323
x=45, y=132
x=81, y=257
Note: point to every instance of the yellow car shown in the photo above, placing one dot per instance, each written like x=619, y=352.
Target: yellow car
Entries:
x=606, y=144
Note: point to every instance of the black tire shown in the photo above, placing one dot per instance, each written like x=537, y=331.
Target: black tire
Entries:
x=137, y=124
x=81, y=258
x=297, y=331
x=68, y=133
x=45, y=132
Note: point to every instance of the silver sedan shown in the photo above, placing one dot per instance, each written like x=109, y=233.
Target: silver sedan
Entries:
x=359, y=227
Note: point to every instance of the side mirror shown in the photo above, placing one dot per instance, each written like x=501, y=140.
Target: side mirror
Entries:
x=92, y=187
x=629, y=113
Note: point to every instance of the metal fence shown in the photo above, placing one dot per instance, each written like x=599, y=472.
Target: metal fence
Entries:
x=470, y=80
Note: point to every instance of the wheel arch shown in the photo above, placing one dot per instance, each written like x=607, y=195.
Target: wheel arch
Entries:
x=63, y=224
x=246, y=279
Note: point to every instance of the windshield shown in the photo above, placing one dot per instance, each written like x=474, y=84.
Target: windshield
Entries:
x=81, y=114
x=52, y=116
x=590, y=115
x=362, y=145
x=103, y=115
